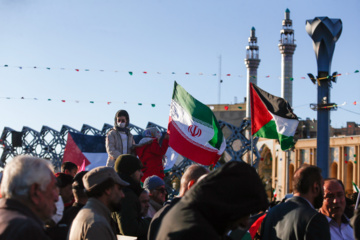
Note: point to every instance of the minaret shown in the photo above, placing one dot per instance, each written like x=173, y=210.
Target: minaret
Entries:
x=252, y=62
x=287, y=48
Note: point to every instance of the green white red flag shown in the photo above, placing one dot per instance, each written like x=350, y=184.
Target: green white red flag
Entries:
x=272, y=117
x=194, y=131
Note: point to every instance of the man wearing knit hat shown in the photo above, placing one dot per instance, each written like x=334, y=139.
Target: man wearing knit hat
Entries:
x=129, y=219
x=104, y=189
x=119, y=140
x=157, y=194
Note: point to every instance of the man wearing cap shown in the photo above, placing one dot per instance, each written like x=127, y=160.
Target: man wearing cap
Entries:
x=104, y=189
x=119, y=140
x=157, y=194
x=129, y=219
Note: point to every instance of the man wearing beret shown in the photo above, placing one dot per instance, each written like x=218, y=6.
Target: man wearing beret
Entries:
x=104, y=189
x=129, y=219
x=157, y=193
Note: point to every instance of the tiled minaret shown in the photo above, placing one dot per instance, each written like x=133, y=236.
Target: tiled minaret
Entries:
x=287, y=48
x=252, y=63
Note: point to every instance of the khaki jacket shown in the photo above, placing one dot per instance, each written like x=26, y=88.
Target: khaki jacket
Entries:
x=93, y=222
x=114, y=146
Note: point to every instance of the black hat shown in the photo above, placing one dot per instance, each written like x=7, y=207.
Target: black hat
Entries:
x=127, y=164
x=63, y=179
x=78, y=182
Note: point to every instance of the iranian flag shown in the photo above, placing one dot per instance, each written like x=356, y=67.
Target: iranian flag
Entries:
x=194, y=131
x=272, y=117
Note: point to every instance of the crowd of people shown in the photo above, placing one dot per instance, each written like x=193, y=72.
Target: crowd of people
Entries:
x=116, y=200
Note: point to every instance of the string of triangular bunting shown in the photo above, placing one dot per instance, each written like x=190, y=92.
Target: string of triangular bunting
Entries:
x=131, y=73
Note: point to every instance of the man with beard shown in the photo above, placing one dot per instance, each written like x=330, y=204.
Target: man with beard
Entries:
x=297, y=218
x=333, y=208
x=104, y=189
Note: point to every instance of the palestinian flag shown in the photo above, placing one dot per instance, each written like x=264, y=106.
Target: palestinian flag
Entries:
x=272, y=117
x=194, y=131
x=86, y=151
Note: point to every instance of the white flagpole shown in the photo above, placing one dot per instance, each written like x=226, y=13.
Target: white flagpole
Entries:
x=251, y=137
x=357, y=201
x=219, y=94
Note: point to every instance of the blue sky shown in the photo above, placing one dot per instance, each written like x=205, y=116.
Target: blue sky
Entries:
x=159, y=37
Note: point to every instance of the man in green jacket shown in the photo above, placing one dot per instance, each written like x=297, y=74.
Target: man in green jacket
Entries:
x=104, y=189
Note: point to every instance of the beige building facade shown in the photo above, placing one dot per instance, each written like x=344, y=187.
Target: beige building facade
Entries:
x=277, y=167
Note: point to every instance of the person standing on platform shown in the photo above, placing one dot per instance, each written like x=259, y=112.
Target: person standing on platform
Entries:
x=151, y=153
x=119, y=140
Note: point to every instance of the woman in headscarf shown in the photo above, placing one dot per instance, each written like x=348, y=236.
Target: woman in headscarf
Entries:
x=119, y=140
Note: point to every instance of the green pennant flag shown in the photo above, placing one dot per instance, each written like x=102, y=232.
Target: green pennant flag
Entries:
x=153, y=105
x=356, y=71
x=131, y=73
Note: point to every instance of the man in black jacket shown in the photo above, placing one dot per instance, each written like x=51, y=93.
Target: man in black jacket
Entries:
x=190, y=177
x=297, y=218
x=220, y=202
x=129, y=219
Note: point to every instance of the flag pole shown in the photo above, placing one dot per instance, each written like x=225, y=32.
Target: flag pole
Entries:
x=219, y=94
x=357, y=201
x=251, y=137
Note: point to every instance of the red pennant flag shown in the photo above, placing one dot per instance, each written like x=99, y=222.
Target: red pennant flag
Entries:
x=187, y=73
x=77, y=70
x=145, y=72
x=63, y=100
x=303, y=78
x=82, y=167
x=267, y=76
x=108, y=103
x=228, y=74
x=355, y=103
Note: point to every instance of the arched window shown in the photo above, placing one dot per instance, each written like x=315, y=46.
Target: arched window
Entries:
x=349, y=167
x=334, y=170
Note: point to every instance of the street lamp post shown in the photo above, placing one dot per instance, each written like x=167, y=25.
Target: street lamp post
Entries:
x=324, y=32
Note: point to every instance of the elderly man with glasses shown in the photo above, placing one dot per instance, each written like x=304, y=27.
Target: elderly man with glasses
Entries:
x=157, y=193
x=333, y=208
